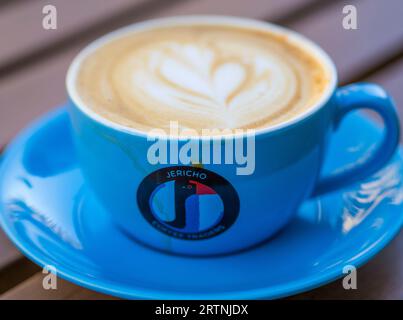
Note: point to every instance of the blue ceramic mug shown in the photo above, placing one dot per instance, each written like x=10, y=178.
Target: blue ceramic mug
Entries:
x=210, y=209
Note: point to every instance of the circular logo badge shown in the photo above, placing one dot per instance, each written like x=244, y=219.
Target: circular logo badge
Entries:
x=188, y=203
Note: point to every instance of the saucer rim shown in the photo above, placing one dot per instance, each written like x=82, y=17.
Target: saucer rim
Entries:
x=127, y=292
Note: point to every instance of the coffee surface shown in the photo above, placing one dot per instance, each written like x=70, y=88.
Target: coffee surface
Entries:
x=202, y=76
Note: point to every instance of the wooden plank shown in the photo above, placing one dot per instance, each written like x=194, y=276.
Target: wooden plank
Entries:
x=4, y=3
x=16, y=272
x=379, y=35
x=85, y=294
x=273, y=10
x=391, y=78
x=26, y=95
x=22, y=33
x=32, y=289
x=8, y=253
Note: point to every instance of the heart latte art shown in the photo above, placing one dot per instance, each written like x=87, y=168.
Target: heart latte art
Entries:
x=202, y=76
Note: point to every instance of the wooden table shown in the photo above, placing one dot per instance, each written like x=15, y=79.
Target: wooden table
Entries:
x=33, y=63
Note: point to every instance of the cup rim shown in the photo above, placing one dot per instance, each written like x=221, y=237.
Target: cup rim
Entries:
x=295, y=37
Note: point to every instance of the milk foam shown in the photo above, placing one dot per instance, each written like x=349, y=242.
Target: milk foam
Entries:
x=201, y=77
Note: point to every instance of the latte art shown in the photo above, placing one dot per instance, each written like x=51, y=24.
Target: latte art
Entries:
x=202, y=76
x=202, y=80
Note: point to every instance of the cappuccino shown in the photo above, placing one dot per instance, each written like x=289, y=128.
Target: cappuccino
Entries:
x=203, y=76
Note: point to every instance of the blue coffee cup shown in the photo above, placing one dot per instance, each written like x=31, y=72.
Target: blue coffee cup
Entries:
x=210, y=209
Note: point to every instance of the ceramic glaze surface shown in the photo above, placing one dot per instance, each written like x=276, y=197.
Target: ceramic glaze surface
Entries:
x=52, y=216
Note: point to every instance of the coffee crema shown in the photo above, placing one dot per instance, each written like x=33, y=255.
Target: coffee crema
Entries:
x=202, y=76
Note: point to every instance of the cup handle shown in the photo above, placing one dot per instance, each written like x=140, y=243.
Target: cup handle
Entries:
x=363, y=96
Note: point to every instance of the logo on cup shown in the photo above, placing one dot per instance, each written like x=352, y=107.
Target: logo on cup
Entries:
x=188, y=203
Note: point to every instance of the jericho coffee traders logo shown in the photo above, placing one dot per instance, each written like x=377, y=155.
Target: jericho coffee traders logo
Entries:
x=188, y=203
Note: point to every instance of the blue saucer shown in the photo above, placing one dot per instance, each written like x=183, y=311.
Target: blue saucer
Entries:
x=48, y=212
